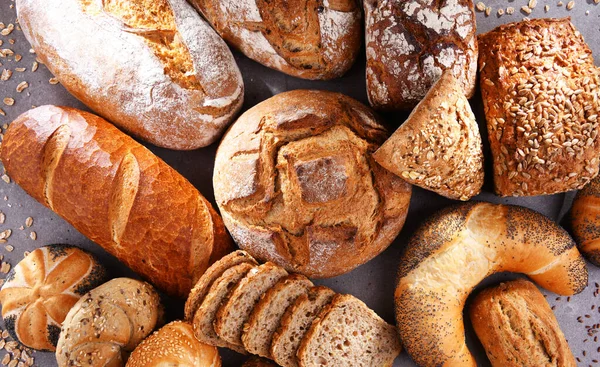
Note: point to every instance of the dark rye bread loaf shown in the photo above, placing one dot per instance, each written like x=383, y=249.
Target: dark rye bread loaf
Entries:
x=295, y=323
x=266, y=316
x=348, y=333
x=541, y=100
x=410, y=43
x=234, y=312
x=204, y=316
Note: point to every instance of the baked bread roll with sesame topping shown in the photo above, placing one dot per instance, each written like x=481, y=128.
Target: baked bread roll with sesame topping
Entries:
x=410, y=43
x=107, y=323
x=455, y=250
x=174, y=345
x=439, y=146
x=541, y=100
x=42, y=288
x=585, y=221
x=296, y=184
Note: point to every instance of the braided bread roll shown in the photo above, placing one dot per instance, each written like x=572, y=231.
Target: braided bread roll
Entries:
x=456, y=249
x=585, y=221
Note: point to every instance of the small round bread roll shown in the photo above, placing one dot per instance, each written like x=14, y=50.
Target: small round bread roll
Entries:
x=107, y=323
x=297, y=186
x=42, y=288
x=174, y=345
x=585, y=221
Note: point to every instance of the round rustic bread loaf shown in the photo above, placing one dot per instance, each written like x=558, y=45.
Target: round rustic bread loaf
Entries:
x=42, y=288
x=297, y=186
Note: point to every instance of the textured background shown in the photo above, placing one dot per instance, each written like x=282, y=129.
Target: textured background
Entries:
x=373, y=282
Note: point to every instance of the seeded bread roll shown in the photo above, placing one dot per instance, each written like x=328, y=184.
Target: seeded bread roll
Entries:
x=295, y=323
x=517, y=327
x=174, y=345
x=585, y=221
x=454, y=251
x=266, y=315
x=310, y=39
x=41, y=289
x=154, y=68
x=541, y=101
x=348, y=333
x=439, y=146
x=410, y=43
x=297, y=186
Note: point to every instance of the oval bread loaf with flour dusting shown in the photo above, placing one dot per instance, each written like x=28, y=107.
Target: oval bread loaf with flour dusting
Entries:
x=153, y=67
x=117, y=193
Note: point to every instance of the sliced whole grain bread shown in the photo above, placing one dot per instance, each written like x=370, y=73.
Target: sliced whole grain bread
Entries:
x=234, y=313
x=205, y=314
x=258, y=362
x=212, y=273
x=266, y=316
x=295, y=323
x=348, y=333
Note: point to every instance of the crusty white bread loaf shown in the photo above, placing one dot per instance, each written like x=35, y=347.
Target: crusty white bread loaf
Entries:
x=296, y=184
x=585, y=221
x=541, y=100
x=410, y=43
x=107, y=323
x=41, y=289
x=348, y=333
x=200, y=290
x=457, y=248
x=236, y=310
x=295, y=323
x=155, y=68
x=310, y=39
x=116, y=192
x=517, y=328
x=439, y=146
x=205, y=315
x=266, y=316
x=174, y=345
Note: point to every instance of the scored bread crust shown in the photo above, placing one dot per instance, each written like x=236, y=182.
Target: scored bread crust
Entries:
x=296, y=184
x=307, y=306
x=266, y=315
x=122, y=59
x=585, y=221
x=117, y=193
x=234, y=312
x=205, y=315
x=410, y=43
x=308, y=39
x=198, y=293
x=439, y=146
x=541, y=101
x=517, y=328
x=455, y=250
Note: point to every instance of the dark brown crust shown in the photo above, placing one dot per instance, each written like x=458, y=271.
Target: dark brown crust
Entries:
x=585, y=221
x=545, y=62
x=170, y=230
x=258, y=362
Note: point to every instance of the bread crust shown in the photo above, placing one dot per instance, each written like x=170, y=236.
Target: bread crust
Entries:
x=309, y=39
x=115, y=192
x=541, y=101
x=457, y=248
x=517, y=327
x=410, y=43
x=258, y=362
x=116, y=59
x=296, y=184
x=585, y=221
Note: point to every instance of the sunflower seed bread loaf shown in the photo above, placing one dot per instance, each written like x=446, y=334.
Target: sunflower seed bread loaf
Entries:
x=311, y=39
x=439, y=146
x=410, y=43
x=541, y=101
x=154, y=68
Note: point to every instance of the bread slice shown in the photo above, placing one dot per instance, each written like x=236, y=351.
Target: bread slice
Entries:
x=348, y=333
x=205, y=315
x=266, y=316
x=234, y=313
x=439, y=146
x=295, y=323
x=213, y=272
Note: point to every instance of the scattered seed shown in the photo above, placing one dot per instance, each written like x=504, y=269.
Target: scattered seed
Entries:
x=18, y=57
x=480, y=6
x=9, y=248
x=5, y=178
x=2, y=112
x=20, y=70
x=532, y=4
x=6, y=74
x=547, y=8
x=488, y=11
x=21, y=87
x=2, y=218
x=6, y=31
x=5, y=267
x=53, y=81
x=28, y=222
x=9, y=101
x=35, y=66
x=33, y=235
x=526, y=9
x=570, y=5
x=510, y=10
x=500, y=12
